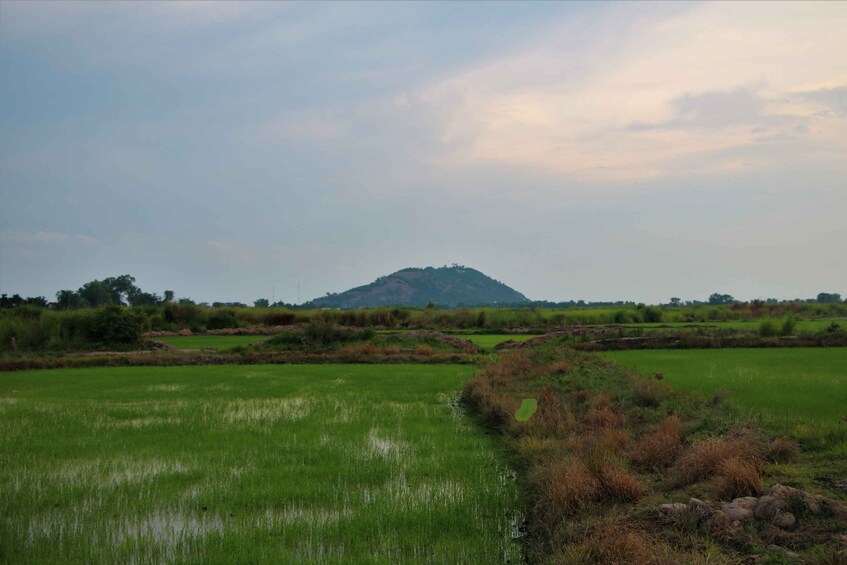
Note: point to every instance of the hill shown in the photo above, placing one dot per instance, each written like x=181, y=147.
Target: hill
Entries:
x=445, y=286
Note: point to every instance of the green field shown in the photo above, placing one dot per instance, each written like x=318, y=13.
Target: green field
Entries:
x=488, y=341
x=258, y=464
x=799, y=390
x=219, y=342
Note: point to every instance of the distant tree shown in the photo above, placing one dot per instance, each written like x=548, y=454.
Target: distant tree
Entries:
x=123, y=288
x=39, y=301
x=69, y=300
x=169, y=296
x=717, y=299
x=261, y=303
x=829, y=297
x=98, y=293
x=675, y=301
x=140, y=298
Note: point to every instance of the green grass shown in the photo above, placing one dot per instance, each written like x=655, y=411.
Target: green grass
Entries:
x=798, y=391
x=488, y=341
x=219, y=342
x=258, y=464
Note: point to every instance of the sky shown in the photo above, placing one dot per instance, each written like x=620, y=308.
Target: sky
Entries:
x=596, y=151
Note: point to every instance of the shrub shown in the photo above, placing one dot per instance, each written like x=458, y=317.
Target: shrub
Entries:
x=115, y=325
x=767, y=328
x=787, y=327
x=221, y=319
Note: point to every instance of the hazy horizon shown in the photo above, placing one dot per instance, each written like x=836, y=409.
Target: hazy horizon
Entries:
x=595, y=151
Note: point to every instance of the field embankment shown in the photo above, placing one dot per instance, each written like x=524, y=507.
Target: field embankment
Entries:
x=618, y=468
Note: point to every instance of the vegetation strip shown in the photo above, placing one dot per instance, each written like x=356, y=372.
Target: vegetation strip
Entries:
x=618, y=468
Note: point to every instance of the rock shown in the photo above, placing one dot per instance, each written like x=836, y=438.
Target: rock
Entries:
x=699, y=509
x=740, y=508
x=674, y=508
x=185, y=332
x=768, y=507
x=785, y=520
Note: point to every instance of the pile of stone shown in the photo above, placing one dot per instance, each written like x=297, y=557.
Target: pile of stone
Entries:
x=777, y=507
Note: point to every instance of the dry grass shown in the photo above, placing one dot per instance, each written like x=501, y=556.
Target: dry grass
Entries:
x=619, y=484
x=660, y=446
x=783, y=450
x=707, y=457
x=737, y=476
x=553, y=416
x=425, y=350
x=512, y=365
x=649, y=392
x=603, y=417
x=565, y=487
x=615, y=544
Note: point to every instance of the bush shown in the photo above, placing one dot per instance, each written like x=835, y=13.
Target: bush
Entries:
x=115, y=325
x=222, y=319
x=767, y=328
x=788, y=326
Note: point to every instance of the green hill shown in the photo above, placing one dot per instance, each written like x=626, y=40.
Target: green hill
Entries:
x=444, y=286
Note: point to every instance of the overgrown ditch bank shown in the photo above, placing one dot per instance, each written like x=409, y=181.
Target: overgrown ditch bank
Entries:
x=619, y=468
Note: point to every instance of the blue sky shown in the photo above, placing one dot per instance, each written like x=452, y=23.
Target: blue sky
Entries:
x=594, y=151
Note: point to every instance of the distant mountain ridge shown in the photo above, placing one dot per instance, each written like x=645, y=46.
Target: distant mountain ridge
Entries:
x=456, y=285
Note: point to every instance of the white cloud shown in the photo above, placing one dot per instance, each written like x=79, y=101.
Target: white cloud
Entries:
x=714, y=77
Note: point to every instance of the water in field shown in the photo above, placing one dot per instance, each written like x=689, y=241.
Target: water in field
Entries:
x=276, y=464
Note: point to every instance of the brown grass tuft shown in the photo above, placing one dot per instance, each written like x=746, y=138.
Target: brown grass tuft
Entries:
x=783, y=450
x=614, y=544
x=706, y=457
x=564, y=487
x=620, y=484
x=423, y=350
x=553, y=416
x=737, y=476
x=579, y=396
x=513, y=365
x=660, y=446
x=603, y=417
x=649, y=392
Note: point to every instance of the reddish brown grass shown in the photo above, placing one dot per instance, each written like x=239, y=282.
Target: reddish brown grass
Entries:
x=649, y=392
x=553, y=416
x=706, y=457
x=660, y=446
x=603, y=417
x=615, y=544
x=565, y=487
x=620, y=484
x=425, y=350
x=737, y=476
x=513, y=365
x=783, y=450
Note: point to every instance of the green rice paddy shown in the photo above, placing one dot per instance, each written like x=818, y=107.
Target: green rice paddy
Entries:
x=802, y=391
x=249, y=464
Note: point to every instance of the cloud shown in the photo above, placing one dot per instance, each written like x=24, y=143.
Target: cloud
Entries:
x=831, y=100
x=672, y=85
